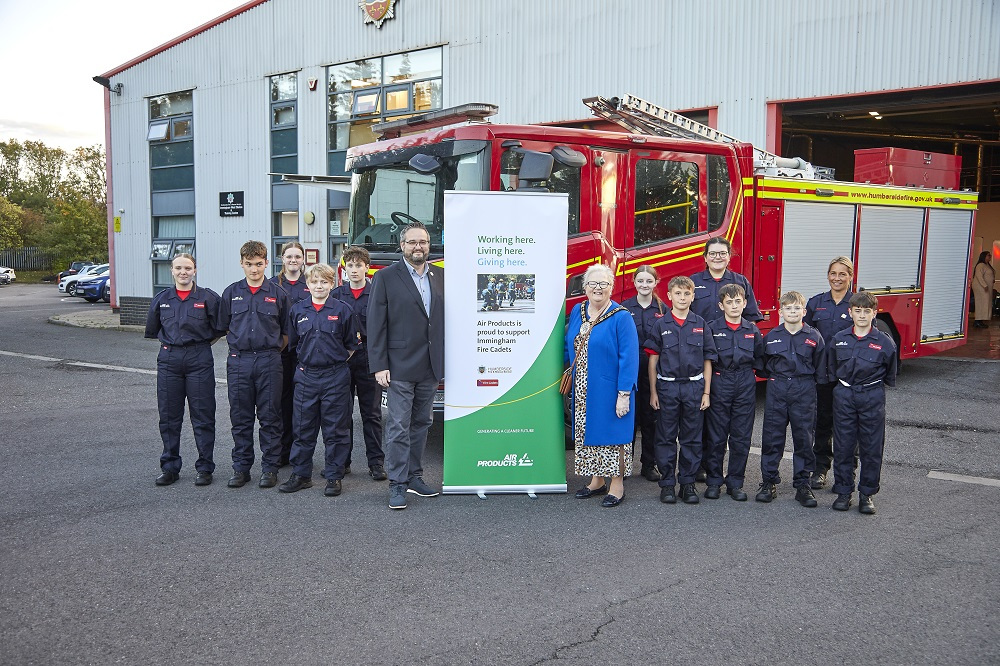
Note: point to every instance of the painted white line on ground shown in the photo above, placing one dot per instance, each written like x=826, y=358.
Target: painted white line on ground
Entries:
x=31, y=356
x=962, y=478
x=96, y=366
x=756, y=451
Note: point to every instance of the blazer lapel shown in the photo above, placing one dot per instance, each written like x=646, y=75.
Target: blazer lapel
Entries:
x=407, y=279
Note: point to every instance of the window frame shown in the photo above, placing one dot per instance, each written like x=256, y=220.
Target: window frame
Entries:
x=700, y=160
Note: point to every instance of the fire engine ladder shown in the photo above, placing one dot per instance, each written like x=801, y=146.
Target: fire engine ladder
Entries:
x=641, y=117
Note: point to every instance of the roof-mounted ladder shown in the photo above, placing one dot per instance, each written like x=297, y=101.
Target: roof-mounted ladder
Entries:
x=641, y=117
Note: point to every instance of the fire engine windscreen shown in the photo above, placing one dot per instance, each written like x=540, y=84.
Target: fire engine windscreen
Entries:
x=388, y=196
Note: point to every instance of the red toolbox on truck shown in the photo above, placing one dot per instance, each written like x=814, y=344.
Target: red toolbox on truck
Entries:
x=913, y=168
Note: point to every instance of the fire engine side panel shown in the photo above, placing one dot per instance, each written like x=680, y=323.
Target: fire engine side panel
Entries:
x=949, y=237
x=814, y=233
x=889, y=249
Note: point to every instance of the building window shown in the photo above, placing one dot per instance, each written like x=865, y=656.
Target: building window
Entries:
x=171, y=182
x=284, y=159
x=366, y=92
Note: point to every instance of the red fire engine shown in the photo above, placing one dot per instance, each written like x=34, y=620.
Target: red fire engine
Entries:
x=656, y=192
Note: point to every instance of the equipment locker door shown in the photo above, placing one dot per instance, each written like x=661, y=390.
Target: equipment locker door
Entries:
x=814, y=233
x=949, y=234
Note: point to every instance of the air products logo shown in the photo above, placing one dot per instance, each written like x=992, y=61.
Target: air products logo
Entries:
x=509, y=460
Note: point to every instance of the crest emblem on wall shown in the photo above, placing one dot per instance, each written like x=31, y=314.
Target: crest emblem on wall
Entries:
x=377, y=11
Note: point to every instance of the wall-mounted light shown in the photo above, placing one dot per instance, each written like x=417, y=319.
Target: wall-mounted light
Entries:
x=308, y=217
x=104, y=81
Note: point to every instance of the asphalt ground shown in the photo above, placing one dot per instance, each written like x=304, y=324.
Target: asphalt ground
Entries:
x=98, y=566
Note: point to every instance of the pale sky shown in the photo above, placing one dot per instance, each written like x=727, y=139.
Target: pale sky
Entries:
x=51, y=49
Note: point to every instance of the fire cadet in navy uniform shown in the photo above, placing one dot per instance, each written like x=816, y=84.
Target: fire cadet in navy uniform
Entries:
x=794, y=363
x=325, y=333
x=718, y=253
x=646, y=309
x=862, y=359
x=829, y=313
x=293, y=281
x=355, y=293
x=681, y=352
x=255, y=314
x=183, y=318
x=730, y=417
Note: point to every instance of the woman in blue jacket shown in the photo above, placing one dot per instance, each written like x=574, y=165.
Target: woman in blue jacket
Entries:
x=603, y=347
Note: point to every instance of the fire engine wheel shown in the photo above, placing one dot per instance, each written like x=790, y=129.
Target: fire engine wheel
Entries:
x=402, y=219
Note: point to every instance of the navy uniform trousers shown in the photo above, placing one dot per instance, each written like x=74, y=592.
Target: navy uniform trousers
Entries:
x=730, y=416
x=790, y=400
x=679, y=426
x=186, y=372
x=289, y=361
x=322, y=399
x=645, y=416
x=255, y=394
x=858, y=429
x=369, y=393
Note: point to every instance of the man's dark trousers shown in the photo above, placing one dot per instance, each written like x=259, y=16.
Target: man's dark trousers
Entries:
x=408, y=418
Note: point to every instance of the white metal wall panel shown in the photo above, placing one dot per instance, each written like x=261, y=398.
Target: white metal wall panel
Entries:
x=948, y=235
x=890, y=247
x=813, y=235
x=536, y=60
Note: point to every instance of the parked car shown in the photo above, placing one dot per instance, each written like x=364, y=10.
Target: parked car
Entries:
x=9, y=272
x=68, y=284
x=73, y=269
x=95, y=289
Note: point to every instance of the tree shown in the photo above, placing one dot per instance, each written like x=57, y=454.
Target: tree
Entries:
x=74, y=229
x=11, y=216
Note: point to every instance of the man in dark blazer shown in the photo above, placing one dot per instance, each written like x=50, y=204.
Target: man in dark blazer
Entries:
x=406, y=355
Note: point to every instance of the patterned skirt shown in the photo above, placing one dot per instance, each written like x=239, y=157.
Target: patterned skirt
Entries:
x=603, y=460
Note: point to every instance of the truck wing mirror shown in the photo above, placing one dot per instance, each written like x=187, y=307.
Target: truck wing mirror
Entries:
x=569, y=157
x=535, y=168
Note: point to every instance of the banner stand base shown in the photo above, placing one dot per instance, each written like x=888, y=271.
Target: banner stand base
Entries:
x=531, y=491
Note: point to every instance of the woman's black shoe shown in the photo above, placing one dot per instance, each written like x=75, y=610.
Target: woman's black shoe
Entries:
x=611, y=500
x=585, y=492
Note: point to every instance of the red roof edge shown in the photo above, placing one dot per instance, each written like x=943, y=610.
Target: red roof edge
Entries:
x=186, y=36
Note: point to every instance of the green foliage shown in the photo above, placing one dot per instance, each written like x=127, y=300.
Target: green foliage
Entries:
x=54, y=199
x=11, y=216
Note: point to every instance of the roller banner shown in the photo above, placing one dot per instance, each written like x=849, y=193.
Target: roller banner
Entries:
x=504, y=328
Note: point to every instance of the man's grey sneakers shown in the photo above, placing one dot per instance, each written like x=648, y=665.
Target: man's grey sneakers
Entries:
x=418, y=487
x=397, y=495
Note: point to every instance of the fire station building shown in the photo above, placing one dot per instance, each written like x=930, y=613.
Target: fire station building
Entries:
x=200, y=129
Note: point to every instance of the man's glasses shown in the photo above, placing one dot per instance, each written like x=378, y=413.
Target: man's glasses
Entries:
x=413, y=243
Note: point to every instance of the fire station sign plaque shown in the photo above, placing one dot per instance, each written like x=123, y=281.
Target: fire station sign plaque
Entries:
x=377, y=11
x=230, y=204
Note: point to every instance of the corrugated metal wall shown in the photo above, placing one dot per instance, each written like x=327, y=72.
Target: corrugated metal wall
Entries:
x=535, y=59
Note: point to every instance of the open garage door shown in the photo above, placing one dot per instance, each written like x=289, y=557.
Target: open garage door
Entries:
x=960, y=120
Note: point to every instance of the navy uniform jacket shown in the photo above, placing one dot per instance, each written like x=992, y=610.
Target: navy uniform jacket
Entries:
x=645, y=319
x=798, y=355
x=706, y=295
x=359, y=305
x=256, y=322
x=859, y=361
x=827, y=317
x=683, y=349
x=742, y=349
x=325, y=337
x=187, y=322
x=296, y=291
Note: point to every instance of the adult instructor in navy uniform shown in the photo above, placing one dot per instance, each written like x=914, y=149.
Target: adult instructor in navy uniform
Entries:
x=406, y=355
